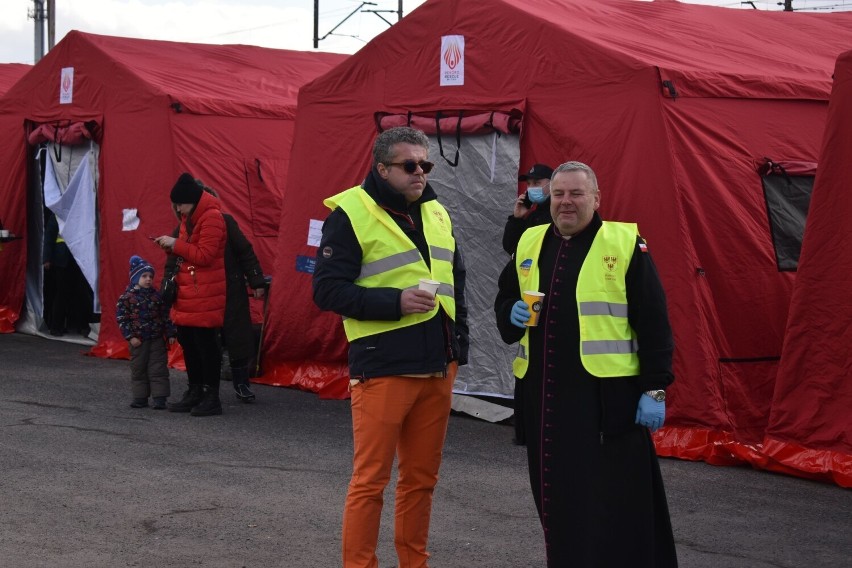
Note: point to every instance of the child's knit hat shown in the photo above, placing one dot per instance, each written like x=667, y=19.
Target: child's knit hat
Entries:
x=138, y=266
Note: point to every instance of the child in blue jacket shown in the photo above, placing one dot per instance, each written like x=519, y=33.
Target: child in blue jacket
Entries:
x=143, y=319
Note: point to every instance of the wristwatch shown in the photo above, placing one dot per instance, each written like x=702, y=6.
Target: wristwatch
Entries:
x=658, y=395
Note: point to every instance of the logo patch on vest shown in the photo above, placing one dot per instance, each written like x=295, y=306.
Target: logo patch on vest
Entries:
x=610, y=262
x=525, y=266
x=439, y=217
x=327, y=252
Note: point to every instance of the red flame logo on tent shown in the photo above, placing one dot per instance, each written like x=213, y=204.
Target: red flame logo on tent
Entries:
x=66, y=83
x=452, y=55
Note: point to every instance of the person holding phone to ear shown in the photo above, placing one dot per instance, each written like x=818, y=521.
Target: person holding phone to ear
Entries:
x=531, y=207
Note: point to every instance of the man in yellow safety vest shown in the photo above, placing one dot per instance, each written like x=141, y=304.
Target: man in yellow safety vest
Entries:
x=595, y=367
x=380, y=242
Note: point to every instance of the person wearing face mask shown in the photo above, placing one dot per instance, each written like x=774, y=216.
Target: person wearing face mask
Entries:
x=531, y=208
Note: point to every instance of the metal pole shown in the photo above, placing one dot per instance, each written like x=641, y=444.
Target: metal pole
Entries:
x=788, y=5
x=316, y=24
x=51, y=23
x=399, y=12
x=38, y=22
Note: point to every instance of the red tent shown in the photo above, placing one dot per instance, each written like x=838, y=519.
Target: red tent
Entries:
x=10, y=73
x=810, y=426
x=676, y=106
x=154, y=109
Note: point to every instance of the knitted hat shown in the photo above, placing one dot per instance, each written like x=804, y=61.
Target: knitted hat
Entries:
x=138, y=266
x=186, y=190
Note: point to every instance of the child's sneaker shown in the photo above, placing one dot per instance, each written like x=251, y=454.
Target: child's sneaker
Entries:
x=139, y=403
x=159, y=403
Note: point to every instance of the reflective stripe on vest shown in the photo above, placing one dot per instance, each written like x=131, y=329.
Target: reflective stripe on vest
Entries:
x=608, y=346
x=391, y=260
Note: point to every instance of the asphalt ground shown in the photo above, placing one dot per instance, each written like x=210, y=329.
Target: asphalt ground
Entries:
x=86, y=481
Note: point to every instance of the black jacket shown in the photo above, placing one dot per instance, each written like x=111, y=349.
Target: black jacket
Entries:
x=56, y=253
x=423, y=348
x=647, y=313
x=515, y=227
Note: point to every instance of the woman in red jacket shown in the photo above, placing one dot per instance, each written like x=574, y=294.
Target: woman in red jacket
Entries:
x=199, y=310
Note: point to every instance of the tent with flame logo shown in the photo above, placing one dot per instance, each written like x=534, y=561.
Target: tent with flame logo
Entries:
x=704, y=125
x=116, y=121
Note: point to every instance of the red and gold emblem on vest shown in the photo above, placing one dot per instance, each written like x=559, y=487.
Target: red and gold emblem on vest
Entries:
x=610, y=262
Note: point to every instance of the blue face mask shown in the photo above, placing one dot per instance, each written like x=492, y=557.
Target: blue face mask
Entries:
x=536, y=195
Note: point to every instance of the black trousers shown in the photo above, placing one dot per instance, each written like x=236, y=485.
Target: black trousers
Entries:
x=202, y=354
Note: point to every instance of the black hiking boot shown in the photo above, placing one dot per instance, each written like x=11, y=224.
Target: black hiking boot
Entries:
x=209, y=405
x=190, y=399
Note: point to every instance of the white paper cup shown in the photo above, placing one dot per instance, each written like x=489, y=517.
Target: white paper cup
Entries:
x=534, y=300
x=430, y=286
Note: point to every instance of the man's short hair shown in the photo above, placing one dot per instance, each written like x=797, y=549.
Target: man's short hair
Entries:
x=578, y=167
x=383, y=147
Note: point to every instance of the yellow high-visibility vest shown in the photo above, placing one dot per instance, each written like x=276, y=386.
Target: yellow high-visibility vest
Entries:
x=608, y=346
x=391, y=260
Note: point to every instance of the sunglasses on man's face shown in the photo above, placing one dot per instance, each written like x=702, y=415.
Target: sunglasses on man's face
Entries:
x=410, y=166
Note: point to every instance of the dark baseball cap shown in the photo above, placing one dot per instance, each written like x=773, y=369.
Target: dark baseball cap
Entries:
x=538, y=171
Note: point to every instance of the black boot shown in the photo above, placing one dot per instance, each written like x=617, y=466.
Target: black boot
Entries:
x=209, y=405
x=240, y=376
x=190, y=398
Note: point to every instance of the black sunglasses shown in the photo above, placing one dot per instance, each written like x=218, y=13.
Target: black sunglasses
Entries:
x=410, y=166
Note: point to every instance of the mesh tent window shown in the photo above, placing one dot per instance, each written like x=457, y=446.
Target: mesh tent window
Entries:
x=787, y=189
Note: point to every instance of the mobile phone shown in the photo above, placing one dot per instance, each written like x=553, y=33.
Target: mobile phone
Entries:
x=527, y=202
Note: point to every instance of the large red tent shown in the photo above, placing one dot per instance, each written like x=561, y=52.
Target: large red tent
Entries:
x=810, y=426
x=690, y=115
x=9, y=75
x=154, y=109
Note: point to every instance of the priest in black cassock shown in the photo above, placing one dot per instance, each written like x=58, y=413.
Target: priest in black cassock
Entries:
x=597, y=365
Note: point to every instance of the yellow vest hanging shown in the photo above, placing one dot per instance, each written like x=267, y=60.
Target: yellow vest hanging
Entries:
x=390, y=260
x=608, y=344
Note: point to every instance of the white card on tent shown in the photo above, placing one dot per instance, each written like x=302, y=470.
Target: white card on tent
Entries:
x=314, y=233
x=66, y=86
x=452, y=60
x=129, y=219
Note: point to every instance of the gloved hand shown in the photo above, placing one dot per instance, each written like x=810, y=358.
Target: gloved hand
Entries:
x=650, y=413
x=520, y=314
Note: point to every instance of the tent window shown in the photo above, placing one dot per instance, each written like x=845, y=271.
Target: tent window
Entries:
x=787, y=189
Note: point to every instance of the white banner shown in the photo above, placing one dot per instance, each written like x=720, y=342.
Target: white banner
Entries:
x=452, y=60
x=66, y=86
x=75, y=213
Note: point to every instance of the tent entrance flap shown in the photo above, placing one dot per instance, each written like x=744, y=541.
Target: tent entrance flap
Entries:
x=63, y=196
x=479, y=192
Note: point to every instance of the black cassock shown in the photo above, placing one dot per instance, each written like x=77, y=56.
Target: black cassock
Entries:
x=594, y=473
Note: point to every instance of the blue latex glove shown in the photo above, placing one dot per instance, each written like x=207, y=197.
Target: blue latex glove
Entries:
x=520, y=314
x=650, y=413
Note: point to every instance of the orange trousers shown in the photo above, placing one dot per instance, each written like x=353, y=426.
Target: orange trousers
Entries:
x=406, y=417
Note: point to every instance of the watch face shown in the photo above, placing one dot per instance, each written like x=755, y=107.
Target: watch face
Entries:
x=658, y=395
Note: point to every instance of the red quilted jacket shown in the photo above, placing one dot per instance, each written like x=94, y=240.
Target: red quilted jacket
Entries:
x=201, y=278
